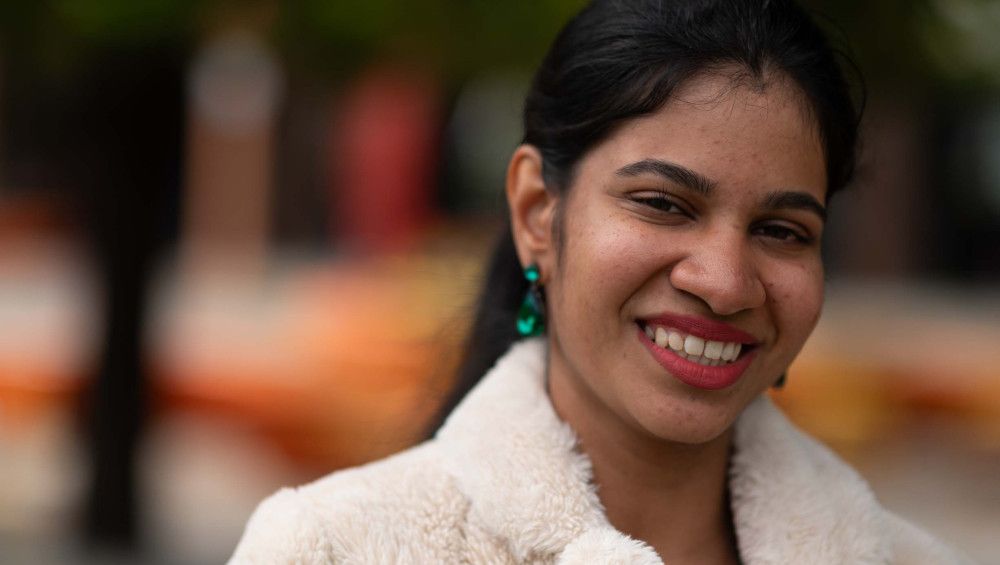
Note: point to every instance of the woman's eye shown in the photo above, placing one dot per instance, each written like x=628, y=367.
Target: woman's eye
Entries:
x=659, y=202
x=783, y=234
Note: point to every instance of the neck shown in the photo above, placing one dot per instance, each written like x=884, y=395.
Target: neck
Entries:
x=671, y=495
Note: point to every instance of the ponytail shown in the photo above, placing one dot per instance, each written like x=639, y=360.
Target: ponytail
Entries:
x=494, y=327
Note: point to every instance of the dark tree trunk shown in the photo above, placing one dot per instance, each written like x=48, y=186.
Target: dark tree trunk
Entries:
x=128, y=147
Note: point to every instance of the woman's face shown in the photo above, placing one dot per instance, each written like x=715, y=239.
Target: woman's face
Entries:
x=701, y=222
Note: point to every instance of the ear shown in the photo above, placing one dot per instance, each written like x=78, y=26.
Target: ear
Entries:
x=532, y=209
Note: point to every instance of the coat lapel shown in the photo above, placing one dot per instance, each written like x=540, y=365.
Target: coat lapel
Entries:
x=793, y=500
x=517, y=462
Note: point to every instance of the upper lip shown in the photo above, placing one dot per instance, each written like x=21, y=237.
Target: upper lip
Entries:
x=704, y=328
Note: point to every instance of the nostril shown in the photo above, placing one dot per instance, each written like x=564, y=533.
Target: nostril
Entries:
x=726, y=289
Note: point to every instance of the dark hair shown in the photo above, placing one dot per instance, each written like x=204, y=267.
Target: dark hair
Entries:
x=620, y=59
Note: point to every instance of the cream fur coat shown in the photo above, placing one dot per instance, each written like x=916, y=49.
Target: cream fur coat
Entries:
x=502, y=483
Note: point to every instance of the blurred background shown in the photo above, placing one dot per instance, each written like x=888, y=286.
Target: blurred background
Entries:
x=240, y=241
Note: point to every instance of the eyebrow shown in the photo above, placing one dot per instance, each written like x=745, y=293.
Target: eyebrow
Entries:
x=796, y=201
x=670, y=171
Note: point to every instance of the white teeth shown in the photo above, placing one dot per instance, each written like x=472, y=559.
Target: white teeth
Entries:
x=713, y=349
x=702, y=360
x=676, y=340
x=661, y=337
x=693, y=348
x=727, y=352
x=694, y=345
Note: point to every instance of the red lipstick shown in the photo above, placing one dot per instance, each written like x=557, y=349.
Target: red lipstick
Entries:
x=702, y=327
x=695, y=374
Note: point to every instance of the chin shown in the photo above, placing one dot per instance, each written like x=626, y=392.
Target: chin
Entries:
x=689, y=420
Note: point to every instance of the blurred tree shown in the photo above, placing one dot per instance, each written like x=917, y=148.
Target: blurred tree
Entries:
x=92, y=107
x=328, y=37
x=907, y=43
x=896, y=41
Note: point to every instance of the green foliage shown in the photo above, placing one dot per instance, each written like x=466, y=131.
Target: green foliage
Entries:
x=328, y=36
x=125, y=21
x=961, y=39
x=895, y=41
x=918, y=42
x=56, y=37
x=457, y=35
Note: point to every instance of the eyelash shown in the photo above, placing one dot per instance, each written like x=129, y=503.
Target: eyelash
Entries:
x=663, y=204
x=660, y=198
x=785, y=233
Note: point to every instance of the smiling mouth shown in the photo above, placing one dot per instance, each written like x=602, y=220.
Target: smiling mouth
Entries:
x=696, y=349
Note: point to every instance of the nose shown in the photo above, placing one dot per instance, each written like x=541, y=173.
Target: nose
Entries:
x=720, y=272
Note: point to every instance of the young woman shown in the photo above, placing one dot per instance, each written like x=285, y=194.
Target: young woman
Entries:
x=661, y=273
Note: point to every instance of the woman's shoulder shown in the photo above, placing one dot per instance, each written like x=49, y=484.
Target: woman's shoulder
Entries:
x=368, y=513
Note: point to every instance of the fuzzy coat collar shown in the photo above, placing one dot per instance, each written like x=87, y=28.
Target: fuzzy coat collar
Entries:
x=793, y=500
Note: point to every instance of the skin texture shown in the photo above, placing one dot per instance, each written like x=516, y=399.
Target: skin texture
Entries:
x=633, y=246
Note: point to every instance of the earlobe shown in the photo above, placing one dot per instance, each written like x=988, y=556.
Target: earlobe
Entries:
x=532, y=207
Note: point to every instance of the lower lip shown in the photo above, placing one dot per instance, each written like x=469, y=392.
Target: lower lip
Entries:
x=695, y=374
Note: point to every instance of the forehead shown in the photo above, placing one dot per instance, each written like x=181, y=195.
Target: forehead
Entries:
x=737, y=133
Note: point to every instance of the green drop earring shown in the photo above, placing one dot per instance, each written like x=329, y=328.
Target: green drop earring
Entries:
x=531, y=314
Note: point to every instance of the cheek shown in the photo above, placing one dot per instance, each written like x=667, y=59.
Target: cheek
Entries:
x=604, y=262
x=797, y=299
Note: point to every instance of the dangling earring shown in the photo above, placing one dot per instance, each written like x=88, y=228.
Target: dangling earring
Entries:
x=780, y=383
x=531, y=314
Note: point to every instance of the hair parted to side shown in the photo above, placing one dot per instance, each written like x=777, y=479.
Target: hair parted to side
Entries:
x=621, y=59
